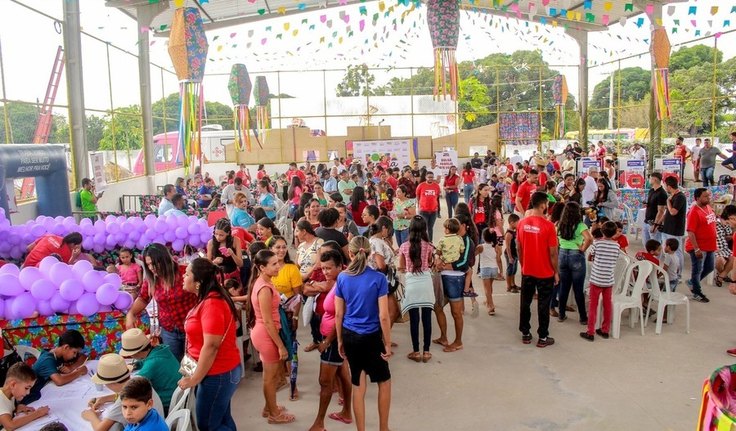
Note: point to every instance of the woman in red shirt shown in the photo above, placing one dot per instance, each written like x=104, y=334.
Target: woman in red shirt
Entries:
x=480, y=206
x=468, y=175
x=358, y=203
x=210, y=328
x=452, y=195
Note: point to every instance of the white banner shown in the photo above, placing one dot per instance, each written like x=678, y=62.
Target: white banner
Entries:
x=98, y=171
x=444, y=161
x=394, y=153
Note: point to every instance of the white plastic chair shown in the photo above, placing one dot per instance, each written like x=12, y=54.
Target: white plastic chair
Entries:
x=179, y=400
x=179, y=420
x=631, y=299
x=619, y=282
x=25, y=351
x=665, y=298
x=631, y=220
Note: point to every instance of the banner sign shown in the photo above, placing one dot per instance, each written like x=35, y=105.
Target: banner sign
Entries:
x=519, y=126
x=393, y=153
x=633, y=175
x=98, y=171
x=585, y=163
x=444, y=161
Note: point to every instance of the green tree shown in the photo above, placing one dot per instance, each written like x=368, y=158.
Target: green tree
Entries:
x=358, y=81
x=125, y=132
x=690, y=56
x=635, y=84
x=473, y=103
x=168, y=107
x=23, y=118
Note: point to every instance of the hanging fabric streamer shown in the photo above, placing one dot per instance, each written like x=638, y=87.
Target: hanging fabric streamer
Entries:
x=188, y=51
x=559, y=93
x=660, y=50
x=260, y=97
x=240, y=87
x=443, y=20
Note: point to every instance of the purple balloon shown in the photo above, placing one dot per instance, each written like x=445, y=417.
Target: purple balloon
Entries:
x=16, y=252
x=10, y=285
x=58, y=229
x=23, y=306
x=181, y=232
x=134, y=236
x=193, y=229
x=59, y=304
x=46, y=264
x=99, y=238
x=73, y=308
x=113, y=279
x=71, y=290
x=44, y=308
x=169, y=236
x=28, y=276
x=127, y=227
x=60, y=272
x=81, y=267
x=10, y=268
x=38, y=230
x=43, y=289
x=182, y=221
x=178, y=245
x=107, y=294
x=85, y=222
x=87, y=305
x=161, y=226
x=92, y=280
x=2, y=309
x=113, y=228
x=98, y=248
x=110, y=241
x=100, y=226
x=110, y=219
x=124, y=301
x=150, y=220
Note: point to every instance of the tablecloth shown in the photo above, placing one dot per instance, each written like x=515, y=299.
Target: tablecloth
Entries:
x=637, y=198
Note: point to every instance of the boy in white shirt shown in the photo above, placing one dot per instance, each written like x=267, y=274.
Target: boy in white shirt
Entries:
x=18, y=383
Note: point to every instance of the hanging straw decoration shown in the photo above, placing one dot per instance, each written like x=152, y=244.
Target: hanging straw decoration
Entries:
x=660, y=50
x=188, y=51
x=260, y=96
x=559, y=93
x=240, y=87
x=443, y=19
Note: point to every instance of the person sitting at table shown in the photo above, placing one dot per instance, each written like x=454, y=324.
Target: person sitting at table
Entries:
x=138, y=409
x=114, y=373
x=67, y=248
x=62, y=364
x=18, y=382
x=156, y=363
x=54, y=426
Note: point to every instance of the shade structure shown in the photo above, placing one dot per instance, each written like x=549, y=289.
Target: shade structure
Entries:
x=443, y=20
x=660, y=50
x=188, y=48
x=239, y=85
x=559, y=93
x=260, y=97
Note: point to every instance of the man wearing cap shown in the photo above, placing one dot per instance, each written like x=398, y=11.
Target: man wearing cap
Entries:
x=113, y=372
x=156, y=363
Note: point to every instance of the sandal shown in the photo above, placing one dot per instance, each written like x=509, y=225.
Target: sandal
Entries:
x=338, y=417
x=440, y=342
x=264, y=413
x=414, y=356
x=310, y=347
x=283, y=418
x=492, y=312
x=426, y=356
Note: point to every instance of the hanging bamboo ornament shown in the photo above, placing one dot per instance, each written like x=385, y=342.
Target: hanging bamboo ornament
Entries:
x=559, y=93
x=260, y=97
x=239, y=85
x=660, y=50
x=443, y=19
x=188, y=51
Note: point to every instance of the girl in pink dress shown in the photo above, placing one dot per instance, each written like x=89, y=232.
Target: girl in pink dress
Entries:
x=130, y=272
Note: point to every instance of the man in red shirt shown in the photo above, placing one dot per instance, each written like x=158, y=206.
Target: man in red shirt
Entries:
x=524, y=194
x=428, y=193
x=681, y=152
x=537, y=246
x=293, y=170
x=701, y=241
x=66, y=248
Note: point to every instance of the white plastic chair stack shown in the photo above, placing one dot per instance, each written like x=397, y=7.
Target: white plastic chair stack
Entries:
x=631, y=299
x=25, y=351
x=178, y=400
x=664, y=299
x=179, y=420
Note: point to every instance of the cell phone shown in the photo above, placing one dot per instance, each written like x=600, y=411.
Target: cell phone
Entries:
x=224, y=251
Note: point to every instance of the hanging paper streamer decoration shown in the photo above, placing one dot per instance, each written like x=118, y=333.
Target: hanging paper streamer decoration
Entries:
x=660, y=50
x=443, y=19
x=559, y=92
x=188, y=51
x=260, y=97
x=240, y=87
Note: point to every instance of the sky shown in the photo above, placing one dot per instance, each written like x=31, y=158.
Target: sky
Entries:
x=299, y=44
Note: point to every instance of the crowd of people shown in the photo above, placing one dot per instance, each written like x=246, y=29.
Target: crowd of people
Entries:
x=362, y=255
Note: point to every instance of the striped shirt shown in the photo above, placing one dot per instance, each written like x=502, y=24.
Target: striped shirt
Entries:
x=605, y=254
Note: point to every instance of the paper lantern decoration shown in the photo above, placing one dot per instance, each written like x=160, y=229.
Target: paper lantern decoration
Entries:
x=240, y=87
x=188, y=51
x=443, y=19
x=260, y=97
x=660, y=50
x=559, y=93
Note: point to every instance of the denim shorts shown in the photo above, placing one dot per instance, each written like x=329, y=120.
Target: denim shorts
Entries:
x=453, y=286
x=488, y=272
x=331, y=355
x=512, y=268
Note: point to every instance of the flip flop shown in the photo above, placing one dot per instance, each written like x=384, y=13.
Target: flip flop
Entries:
x=337, y=417
x=492, y=312
x=282, y=409
x=438, y=341
x=450, y=349
x=283, y=418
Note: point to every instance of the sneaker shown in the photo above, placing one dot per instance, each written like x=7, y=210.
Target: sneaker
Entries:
x=700, y=298
x=562, y=318
x=689, y=285
x=526, y=338
x=544, y=342
x=602, y=334
x=553, y=312
x=731, y=352
x=587, y=336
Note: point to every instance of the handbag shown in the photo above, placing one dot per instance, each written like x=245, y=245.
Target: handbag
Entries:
x=308, y=310
x=188, y=365
x=9, y=360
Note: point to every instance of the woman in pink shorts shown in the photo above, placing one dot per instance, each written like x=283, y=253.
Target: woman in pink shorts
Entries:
x=265, y=334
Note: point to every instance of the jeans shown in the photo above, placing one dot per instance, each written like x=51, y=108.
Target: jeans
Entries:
x=730, y=161
x=701, y=268
x=468, y=192
x=572, y=274
x=214, y=394
x=426, y=317
x=175, y=340
x=430, y=218
x=401, y=236
x=707, y=174
x=451, y=198
x=543, y=288
x=680, y=253
x=647, y=235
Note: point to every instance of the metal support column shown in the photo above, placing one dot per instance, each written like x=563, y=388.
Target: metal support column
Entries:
x=75, y=88
x=581, y=37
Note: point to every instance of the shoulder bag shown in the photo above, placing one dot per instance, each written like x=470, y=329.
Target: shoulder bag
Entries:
x=188, y=364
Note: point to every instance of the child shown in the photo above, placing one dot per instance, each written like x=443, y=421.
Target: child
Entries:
x=156, y=363
x=61, y=365
x=114, y=373
x=54, y=426
x=490, y=262
x=623, y=242
x=670, y=263
x=605, y=256
x=130, y=272
x=18, y=383
x=137, y=402
x=653, y=249
x=512, y=256
x=451, y=246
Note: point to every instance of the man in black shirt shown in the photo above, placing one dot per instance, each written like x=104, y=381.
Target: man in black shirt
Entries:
x=674, y=219
x=476, y=162
x=656, y=207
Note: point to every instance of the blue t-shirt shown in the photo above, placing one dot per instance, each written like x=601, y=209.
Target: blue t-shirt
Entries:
x=46, y=366
x=267, y=200
x=204, y=190
x=151, y=422
x=361, y=293
x=241, y=218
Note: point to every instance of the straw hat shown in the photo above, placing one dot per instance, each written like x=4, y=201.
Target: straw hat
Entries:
x=133, y=341
x=111, y=369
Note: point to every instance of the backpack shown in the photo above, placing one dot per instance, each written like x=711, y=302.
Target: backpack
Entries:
x=725, y=180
